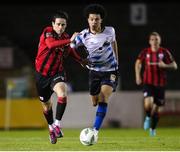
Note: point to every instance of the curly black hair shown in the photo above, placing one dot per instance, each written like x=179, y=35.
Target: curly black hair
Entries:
x=95, y=9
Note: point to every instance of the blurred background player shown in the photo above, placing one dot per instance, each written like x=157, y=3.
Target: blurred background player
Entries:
x=100, y=43
x=50, y=73
x=156, y=61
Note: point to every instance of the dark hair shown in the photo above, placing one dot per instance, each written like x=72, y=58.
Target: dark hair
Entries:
x=95, y=9
x=59, y=14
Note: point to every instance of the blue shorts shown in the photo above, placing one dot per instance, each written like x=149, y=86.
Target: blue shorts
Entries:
x=158, y=93
x=97, y=79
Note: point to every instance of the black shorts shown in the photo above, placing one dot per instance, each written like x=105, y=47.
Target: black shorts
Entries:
x=45, y=84
x=97, y=79
x=158, y=93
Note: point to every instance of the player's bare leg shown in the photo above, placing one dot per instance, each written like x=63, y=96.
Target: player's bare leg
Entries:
x=95, y=100
x=104, y=95
x=106, y=92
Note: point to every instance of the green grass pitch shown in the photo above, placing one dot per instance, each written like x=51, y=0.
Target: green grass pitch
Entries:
x=167, y=139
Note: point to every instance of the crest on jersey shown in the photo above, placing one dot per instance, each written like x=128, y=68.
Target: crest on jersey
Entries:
x=161, y=55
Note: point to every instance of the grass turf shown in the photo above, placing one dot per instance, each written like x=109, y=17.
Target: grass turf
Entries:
x=167, y=139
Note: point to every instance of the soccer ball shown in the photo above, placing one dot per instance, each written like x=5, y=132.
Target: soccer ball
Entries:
x=88, y=137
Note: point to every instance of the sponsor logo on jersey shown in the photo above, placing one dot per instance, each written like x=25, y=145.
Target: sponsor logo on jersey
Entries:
x=161, y=55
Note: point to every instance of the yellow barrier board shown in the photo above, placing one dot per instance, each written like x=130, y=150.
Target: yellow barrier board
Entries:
x=21, y=113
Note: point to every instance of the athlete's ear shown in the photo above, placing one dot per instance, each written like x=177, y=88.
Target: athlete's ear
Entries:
x=52, y=23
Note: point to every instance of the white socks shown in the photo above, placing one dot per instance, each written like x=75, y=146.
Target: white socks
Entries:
x=96, y=131
x=56, y=123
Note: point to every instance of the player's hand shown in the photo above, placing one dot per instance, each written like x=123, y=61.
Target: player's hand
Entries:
x=161, y=64
x=74, y=36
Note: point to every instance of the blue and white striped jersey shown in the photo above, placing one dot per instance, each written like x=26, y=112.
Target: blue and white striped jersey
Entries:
x=99, y=47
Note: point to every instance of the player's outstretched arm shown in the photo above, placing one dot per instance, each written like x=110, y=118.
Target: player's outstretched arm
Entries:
x=52, y=43
x=172, y=65
x=84, y=62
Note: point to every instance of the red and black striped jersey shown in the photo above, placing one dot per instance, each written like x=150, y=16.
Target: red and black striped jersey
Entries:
x=152, y=73
x=51, y=51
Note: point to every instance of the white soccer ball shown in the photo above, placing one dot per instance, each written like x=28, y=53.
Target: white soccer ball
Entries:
x=88, y=137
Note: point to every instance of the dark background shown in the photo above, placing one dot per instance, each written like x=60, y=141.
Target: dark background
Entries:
x=22, y=23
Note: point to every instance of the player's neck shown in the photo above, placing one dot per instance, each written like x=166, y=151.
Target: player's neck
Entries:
x=96, y=30
x=154, y=48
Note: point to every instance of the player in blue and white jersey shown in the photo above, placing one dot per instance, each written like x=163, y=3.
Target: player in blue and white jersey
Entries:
x=100, y=43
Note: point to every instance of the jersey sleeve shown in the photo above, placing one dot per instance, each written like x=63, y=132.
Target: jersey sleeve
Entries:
x=168, y=58
x=78, y=41
x=50, y=40
x=74, y=54
x=142, y=55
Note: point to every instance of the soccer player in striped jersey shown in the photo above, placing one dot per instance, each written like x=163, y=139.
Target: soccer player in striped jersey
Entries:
x=54, y=47
x=156, y=61
x=100, y=43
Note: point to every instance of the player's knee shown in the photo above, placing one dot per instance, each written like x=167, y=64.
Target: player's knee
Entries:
x=104, y=98
x=61, y=93
x=148, y=100
x=60, y=89
x=148, y=103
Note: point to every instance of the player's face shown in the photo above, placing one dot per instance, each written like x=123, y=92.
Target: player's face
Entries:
x=59, y=25
x=94, y=21
x=154, y=41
